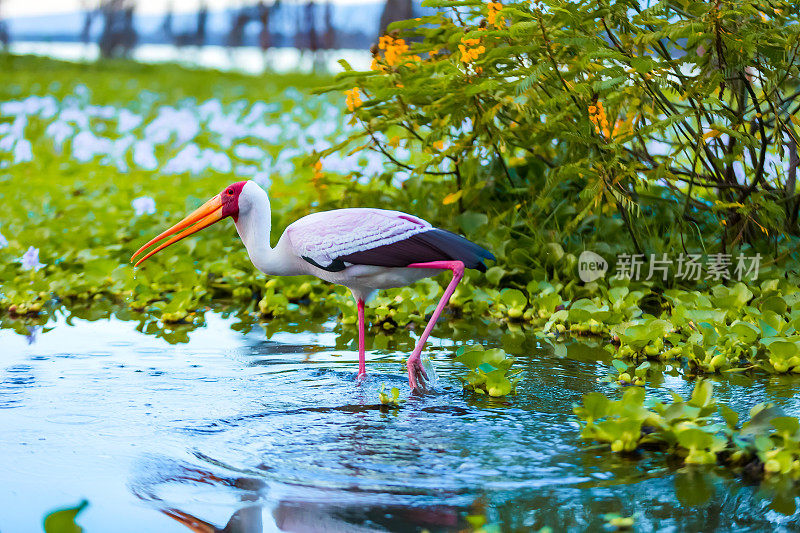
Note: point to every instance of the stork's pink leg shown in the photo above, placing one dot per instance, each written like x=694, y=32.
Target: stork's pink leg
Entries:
x=362, y=358
x=414, y=362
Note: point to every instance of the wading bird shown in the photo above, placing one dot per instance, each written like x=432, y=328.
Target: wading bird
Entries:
x=363, y=249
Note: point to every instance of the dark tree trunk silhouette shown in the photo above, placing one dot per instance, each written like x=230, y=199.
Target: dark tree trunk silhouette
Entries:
x=166, y=25
x=264, y=36
x=308, y=29
x=395, y=10
x=329, y=35
x=88, y=18
x=236, y=33
x=196, y=37
x=119, y=35
x=5, y=35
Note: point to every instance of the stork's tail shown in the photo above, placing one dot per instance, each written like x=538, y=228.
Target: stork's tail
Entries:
x=456, y=248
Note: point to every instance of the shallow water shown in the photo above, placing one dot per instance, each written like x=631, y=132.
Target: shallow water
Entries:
x=246, y=59
x=254, y=434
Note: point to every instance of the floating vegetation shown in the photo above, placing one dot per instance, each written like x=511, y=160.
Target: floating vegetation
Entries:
x=490, y=370
x=63, y=520
x=697, y=430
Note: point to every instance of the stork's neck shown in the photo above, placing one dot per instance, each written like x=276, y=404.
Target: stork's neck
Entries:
x=254, y=224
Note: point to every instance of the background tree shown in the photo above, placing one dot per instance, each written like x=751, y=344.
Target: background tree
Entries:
x=119, y=34
x=393, y=11
x=671, y=128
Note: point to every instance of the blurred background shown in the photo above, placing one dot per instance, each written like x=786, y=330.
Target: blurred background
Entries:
x=240, y=35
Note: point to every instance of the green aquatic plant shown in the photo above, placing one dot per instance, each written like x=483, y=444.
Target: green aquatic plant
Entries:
x=489, y=370
x=767, y=444
x=391, y=399
x=617, y=522
x=63, y=520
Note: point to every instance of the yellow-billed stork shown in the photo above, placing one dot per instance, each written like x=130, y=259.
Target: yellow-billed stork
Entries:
x=360, y=248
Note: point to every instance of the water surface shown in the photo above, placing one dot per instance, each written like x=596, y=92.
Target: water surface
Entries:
x=250, y=433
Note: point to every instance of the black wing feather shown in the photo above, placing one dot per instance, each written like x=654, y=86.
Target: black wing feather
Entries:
x=433, y=245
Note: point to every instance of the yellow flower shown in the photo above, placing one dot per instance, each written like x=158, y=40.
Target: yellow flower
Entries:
x=394, y=50
x=597, y=115
x=376, y=65
x=353, y=99
x=491, y=18
x=470, y=54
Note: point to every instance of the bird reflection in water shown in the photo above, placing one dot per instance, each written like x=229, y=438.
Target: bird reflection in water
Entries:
x=298, y=516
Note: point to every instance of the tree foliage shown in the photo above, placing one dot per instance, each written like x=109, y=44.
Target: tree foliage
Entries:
x=673, y=120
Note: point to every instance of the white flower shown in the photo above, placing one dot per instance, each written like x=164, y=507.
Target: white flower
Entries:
x=144, y=155
x=144, y=205
x=127, y=121
x=248, y=151
x=60, y=131
x=23, y=151
x=30, y=261
x=3, y=241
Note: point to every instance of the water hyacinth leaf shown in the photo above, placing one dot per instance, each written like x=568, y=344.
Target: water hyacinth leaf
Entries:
x=702, y=395
x=642, y=369
x=585, y=309
x=63, y=520
x=640, y=335
x=705, y=315
x=548, y=302
x=596, y=405
x=744, y=331
x=554, y=252
x=783, y=350
x=618, y=294
x=730, y=416
x=633, y=397
x=694, y=438
x=776, y=304
x=497, y=384
x=786, y=424
x=761, y=416
x=495, y=274
x=497, y=358
x=513, y=298
x=770, y=323
x=471, y=357
x=731, y=297
x=393, y=398
x=621, y=366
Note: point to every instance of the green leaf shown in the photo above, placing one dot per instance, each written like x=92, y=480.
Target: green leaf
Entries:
x=495, y=274
x=472, y=357
x=596, y=405
x=782, y=350
x=497, y=384
x=730, y=416
x=470, y=221
x=63, y=520
x=702, y=394
x=513, y=298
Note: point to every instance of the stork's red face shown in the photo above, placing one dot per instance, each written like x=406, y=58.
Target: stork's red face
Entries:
x=225, y=204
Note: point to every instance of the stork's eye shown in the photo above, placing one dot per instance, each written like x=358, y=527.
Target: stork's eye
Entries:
x=230, y=192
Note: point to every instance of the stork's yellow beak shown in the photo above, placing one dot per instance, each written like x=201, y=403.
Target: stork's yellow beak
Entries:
x=202, y=217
